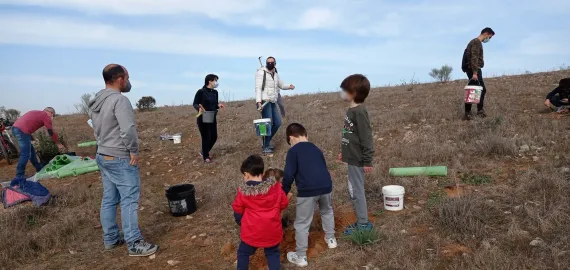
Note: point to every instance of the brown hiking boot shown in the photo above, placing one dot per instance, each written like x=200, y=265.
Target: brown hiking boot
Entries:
x=481, y=114
x=468, y=116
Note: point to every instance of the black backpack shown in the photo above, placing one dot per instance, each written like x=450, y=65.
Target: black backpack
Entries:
x=264, y=76
x=465, y=60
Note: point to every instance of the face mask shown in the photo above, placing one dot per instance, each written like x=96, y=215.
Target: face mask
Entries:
x=270, y=66
x=127, y=87
x=343, y=95
x=216, y=84
x=486, y=40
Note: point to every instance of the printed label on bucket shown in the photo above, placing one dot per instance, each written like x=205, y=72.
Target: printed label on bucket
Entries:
x=392, y=201
x=178, y=206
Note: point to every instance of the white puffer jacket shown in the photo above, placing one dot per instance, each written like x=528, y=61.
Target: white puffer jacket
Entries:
x=272, y=85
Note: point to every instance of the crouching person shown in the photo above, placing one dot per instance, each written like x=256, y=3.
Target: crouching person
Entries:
x=557, y=99
x=257, y=209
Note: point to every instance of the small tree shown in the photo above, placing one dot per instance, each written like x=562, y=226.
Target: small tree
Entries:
x=443, y=74
x=146, y=103
x=83, y=106
x=12, y=115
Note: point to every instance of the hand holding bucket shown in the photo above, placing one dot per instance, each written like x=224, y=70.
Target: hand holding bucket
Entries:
x=473, y=92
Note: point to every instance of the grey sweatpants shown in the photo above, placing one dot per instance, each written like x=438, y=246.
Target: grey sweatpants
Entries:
x=356, y=193
x=304, y=217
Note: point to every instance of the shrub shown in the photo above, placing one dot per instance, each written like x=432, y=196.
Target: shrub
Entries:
x=83, y=106
x=11, y=115
x=146, y=103
x=443, y=74
x=364, y=237
x=46, y=148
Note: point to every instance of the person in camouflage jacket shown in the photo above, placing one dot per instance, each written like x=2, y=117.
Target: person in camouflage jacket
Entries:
x=472, y=64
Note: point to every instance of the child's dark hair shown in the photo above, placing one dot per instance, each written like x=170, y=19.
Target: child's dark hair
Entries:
x=296, y=130
x=253, y=165
x=275, y=173
x=358, y=86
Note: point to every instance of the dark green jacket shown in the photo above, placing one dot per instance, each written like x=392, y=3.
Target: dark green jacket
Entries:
x=357, y=143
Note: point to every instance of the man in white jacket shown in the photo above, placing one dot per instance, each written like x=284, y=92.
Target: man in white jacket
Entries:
x=267, y=85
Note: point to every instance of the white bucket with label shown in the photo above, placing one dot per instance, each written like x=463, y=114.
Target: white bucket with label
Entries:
x=177, y=139
x=393, y=197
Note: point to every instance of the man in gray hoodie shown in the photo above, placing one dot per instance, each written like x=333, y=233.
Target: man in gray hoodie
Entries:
x=117, y=156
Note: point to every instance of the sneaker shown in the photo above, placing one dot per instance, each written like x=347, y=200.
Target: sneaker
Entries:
x=481, y=114
x=468, y=116
x=141, y=248
x=295, y=259
x=272, y=147
x=350, y=228
x=267, y=151
x=331, y=242
x=358, y=227
x=119, y=243
x=207, y=161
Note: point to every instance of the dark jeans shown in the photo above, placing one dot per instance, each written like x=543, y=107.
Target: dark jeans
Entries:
x=271, y=254
x=557, y=101
x=270, y=111
x=209, y=133
x=482, y=83
x=27, y=152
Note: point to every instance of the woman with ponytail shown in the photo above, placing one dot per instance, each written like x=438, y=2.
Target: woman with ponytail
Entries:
x=206, y=99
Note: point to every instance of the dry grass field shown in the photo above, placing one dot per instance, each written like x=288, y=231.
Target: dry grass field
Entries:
x=504, y=205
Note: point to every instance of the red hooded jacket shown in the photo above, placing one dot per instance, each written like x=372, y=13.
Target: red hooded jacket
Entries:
x=261, y=207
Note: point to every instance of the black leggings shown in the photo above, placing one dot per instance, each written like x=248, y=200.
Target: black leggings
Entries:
x=482, y=102
x=209, y=133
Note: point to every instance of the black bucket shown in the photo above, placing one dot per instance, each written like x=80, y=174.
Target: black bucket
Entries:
x=181, y=199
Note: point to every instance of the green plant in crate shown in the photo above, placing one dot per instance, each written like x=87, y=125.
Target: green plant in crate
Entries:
x=45, y=147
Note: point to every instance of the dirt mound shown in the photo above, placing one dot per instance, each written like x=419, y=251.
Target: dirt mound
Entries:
x=317, y=243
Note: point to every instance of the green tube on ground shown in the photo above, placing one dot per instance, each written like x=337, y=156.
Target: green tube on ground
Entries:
x=415, y=171
x=80, y=171
x=62, y=174
x=87, y=144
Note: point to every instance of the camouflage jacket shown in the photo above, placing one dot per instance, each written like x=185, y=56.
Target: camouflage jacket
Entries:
x=473, y=56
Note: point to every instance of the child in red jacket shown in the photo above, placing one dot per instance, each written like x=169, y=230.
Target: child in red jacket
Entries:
x=257, y=208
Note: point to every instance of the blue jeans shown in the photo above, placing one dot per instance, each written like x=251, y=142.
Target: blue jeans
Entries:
x=270, y=111
x=27, y=152
x=121, y=185
x=271, y=254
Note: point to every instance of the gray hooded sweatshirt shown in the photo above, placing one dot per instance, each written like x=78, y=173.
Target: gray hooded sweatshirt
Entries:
x=114, y=124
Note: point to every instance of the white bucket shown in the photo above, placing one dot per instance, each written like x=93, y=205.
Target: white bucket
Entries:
x=393, y=197
x=177, y=139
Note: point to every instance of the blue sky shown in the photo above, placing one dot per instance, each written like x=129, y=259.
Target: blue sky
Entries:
x=53, y=51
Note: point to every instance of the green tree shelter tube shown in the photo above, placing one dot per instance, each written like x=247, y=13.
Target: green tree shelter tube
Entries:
x=416, y=171
x=87, y=144
x=79, y=171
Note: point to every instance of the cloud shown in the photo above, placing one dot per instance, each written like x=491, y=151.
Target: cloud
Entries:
x=210, y=8
x=222, y=74
x=549, y=43
x=68, y=32
x=95, y=83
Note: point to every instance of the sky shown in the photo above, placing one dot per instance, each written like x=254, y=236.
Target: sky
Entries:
x=53, y=51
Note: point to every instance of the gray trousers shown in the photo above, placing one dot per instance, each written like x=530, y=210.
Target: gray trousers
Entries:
x=304, y=217
x=356, y=193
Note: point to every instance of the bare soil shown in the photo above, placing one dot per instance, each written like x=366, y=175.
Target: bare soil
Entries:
x=446, y=223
